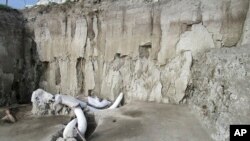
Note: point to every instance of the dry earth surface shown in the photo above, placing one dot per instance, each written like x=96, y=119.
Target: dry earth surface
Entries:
x=133, y=122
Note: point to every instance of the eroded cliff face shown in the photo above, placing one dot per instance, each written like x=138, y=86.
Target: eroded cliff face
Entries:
x=164, y=51
x=219, y=91
x=138, y=47
x=19, y=63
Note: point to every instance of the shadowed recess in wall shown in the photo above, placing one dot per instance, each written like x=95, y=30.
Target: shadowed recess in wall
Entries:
x=144, y=50
x=20, y=68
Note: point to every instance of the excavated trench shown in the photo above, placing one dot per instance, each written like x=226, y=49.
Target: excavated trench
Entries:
x=192, y=56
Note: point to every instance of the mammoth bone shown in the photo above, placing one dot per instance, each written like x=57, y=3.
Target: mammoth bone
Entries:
x=95, y=102
x=41, y=98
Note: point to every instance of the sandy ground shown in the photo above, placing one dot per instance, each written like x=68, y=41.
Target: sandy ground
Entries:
x=149, y=122
x=29, y=128
x=133, y=122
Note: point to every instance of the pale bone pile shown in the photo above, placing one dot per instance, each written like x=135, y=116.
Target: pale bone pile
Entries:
x=78, y=126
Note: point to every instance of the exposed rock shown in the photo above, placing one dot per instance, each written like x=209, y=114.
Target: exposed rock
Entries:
x=219, y=91
x=176, y=16
x=11, y=56
x=234, y=16
x=117, y=46
x=144, y=48
x=175, y=78
x=146, y=81
x=197, y=40
x=89, y=78
x=246, y=30
x=20, y=68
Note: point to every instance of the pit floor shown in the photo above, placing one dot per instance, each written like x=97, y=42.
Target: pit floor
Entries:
x=30, y=128
x=134, y=122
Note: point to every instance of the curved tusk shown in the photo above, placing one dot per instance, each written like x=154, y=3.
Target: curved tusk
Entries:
x=69, y=101
x=68, y=131
x=95, y=102
x=117, y=101
x=81, y=120
x=113, y=106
